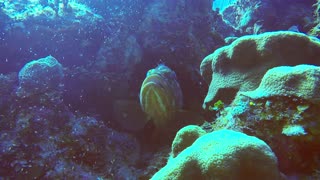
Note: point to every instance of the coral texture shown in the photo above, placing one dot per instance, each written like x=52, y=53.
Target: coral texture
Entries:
x=241, y=65
x=40, y=76
x=283, y=111
x=212, y=157
x=301, y=81
x=185, y=137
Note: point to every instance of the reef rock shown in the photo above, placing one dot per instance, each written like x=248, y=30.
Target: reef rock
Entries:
x=284, y=112
x=129, y=115
x=257, y=16
x=40, y=27
x=185, y=137
x=40, y=76
x=223, y=154
x=241, y=65
x=315, y=30
x=178, y=31
x=119, y=54
x=301, y=81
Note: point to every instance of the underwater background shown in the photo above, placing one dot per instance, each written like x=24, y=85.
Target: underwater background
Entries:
x=170, y=89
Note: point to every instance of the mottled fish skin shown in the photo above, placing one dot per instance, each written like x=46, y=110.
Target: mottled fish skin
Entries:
x=160, y=95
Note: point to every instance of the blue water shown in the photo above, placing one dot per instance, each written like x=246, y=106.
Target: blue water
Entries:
x=83, y=119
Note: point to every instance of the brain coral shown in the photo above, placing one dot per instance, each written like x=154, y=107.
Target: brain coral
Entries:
x=223, y=154
x=283, y=111
x=241, y=65
x=40, y=76
x=185, y=137
x=301, y=81
x=160, y=95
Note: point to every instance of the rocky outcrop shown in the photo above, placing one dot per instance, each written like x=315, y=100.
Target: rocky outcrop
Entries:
x=302, y=81
x=40, y=76
x=223, y=154
x=184, y=138
x=282, y=111
x=258, y=16
x=241, y=65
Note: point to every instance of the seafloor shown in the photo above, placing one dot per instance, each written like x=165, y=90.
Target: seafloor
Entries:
x=149, y=89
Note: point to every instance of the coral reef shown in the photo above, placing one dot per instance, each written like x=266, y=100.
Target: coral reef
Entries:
x=156, y=160
x=315, y=31
x=300, y=81
x=37, y=30
x=178, y=31
x=185, y=137
x=241, y=65
x=283, y=111
x=21, y=11
x=223, y=154
x=42, y=138
x=81, y=118
x=125, y=58
x=258, y=16
x=40, y=76
x=221, y=5
x=129, y=115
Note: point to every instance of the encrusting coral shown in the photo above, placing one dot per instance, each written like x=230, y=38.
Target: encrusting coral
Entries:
x=223, y=154
x=185, y=137
x=241, y=65
x=284, y=112
x=40, y=76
